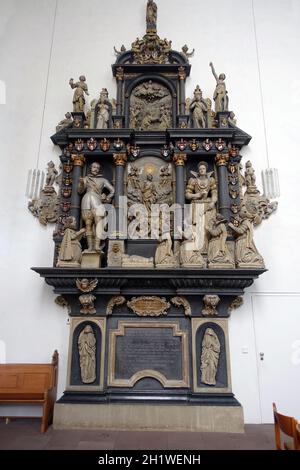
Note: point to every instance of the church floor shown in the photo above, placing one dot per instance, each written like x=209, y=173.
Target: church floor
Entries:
x=24, y=434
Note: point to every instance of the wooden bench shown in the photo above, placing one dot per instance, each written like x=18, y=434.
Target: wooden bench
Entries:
x=28, y=384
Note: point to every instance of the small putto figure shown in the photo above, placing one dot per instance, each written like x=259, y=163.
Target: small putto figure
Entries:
x=51, y=174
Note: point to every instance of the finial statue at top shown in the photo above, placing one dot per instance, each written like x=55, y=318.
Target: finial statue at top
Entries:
x=151, y=17
x=220, y=94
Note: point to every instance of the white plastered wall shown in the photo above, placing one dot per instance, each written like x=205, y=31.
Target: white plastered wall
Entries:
x=43, y=43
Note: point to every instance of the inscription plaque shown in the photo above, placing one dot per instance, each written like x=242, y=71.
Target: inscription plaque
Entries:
x=148, y=349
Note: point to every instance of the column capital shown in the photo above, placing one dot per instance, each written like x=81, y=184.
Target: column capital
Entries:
x=222, y=159
x=120, y=159
x=181, y=73
x=179, y=159
x=120, y=74
x=78, y=159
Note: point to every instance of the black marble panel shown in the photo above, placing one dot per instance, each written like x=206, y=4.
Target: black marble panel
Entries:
x=149, y=348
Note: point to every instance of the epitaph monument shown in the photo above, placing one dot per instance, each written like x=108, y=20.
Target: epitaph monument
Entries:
x=153, y=244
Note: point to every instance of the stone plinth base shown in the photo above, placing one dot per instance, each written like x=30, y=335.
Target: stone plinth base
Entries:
x=90, y=260
x=133, y=417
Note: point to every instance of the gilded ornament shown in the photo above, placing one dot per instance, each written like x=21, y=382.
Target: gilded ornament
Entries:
x=105, y=144
x=91, y=144
x=149, y=306
x=86, y=285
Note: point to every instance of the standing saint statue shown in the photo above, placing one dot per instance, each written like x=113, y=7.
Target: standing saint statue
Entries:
x=151, y=16
x=92, y=205
x=246, y=253
x=198, y=109
x=202, y=192
x=220, y=93
x=103, y=110
x=81, y=88
x=218, y=255
x=87, y=355
x=210, y=357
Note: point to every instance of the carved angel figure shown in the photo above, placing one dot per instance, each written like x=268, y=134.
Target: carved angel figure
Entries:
x=51, y=174
x=86, y=285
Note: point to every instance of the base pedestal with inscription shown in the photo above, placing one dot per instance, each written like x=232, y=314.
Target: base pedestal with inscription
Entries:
x=155, y=355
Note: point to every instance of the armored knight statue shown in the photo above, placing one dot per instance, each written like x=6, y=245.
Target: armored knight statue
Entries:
x=198, y=109
x=220, y=94
x=81, y=88
x=92, y=205
x=201, y=191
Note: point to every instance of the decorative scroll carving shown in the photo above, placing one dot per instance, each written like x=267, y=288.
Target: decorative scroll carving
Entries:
x=113, y=302
x=45, y=207
x=210, y=354
x=210, y=305
x=257, y=205
x=62, y=302
x=87, y=355
x=151, y=50
x=86, y=285
x=235, y=303
x=151, y=306
x=150, y=107
x=182, y=302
